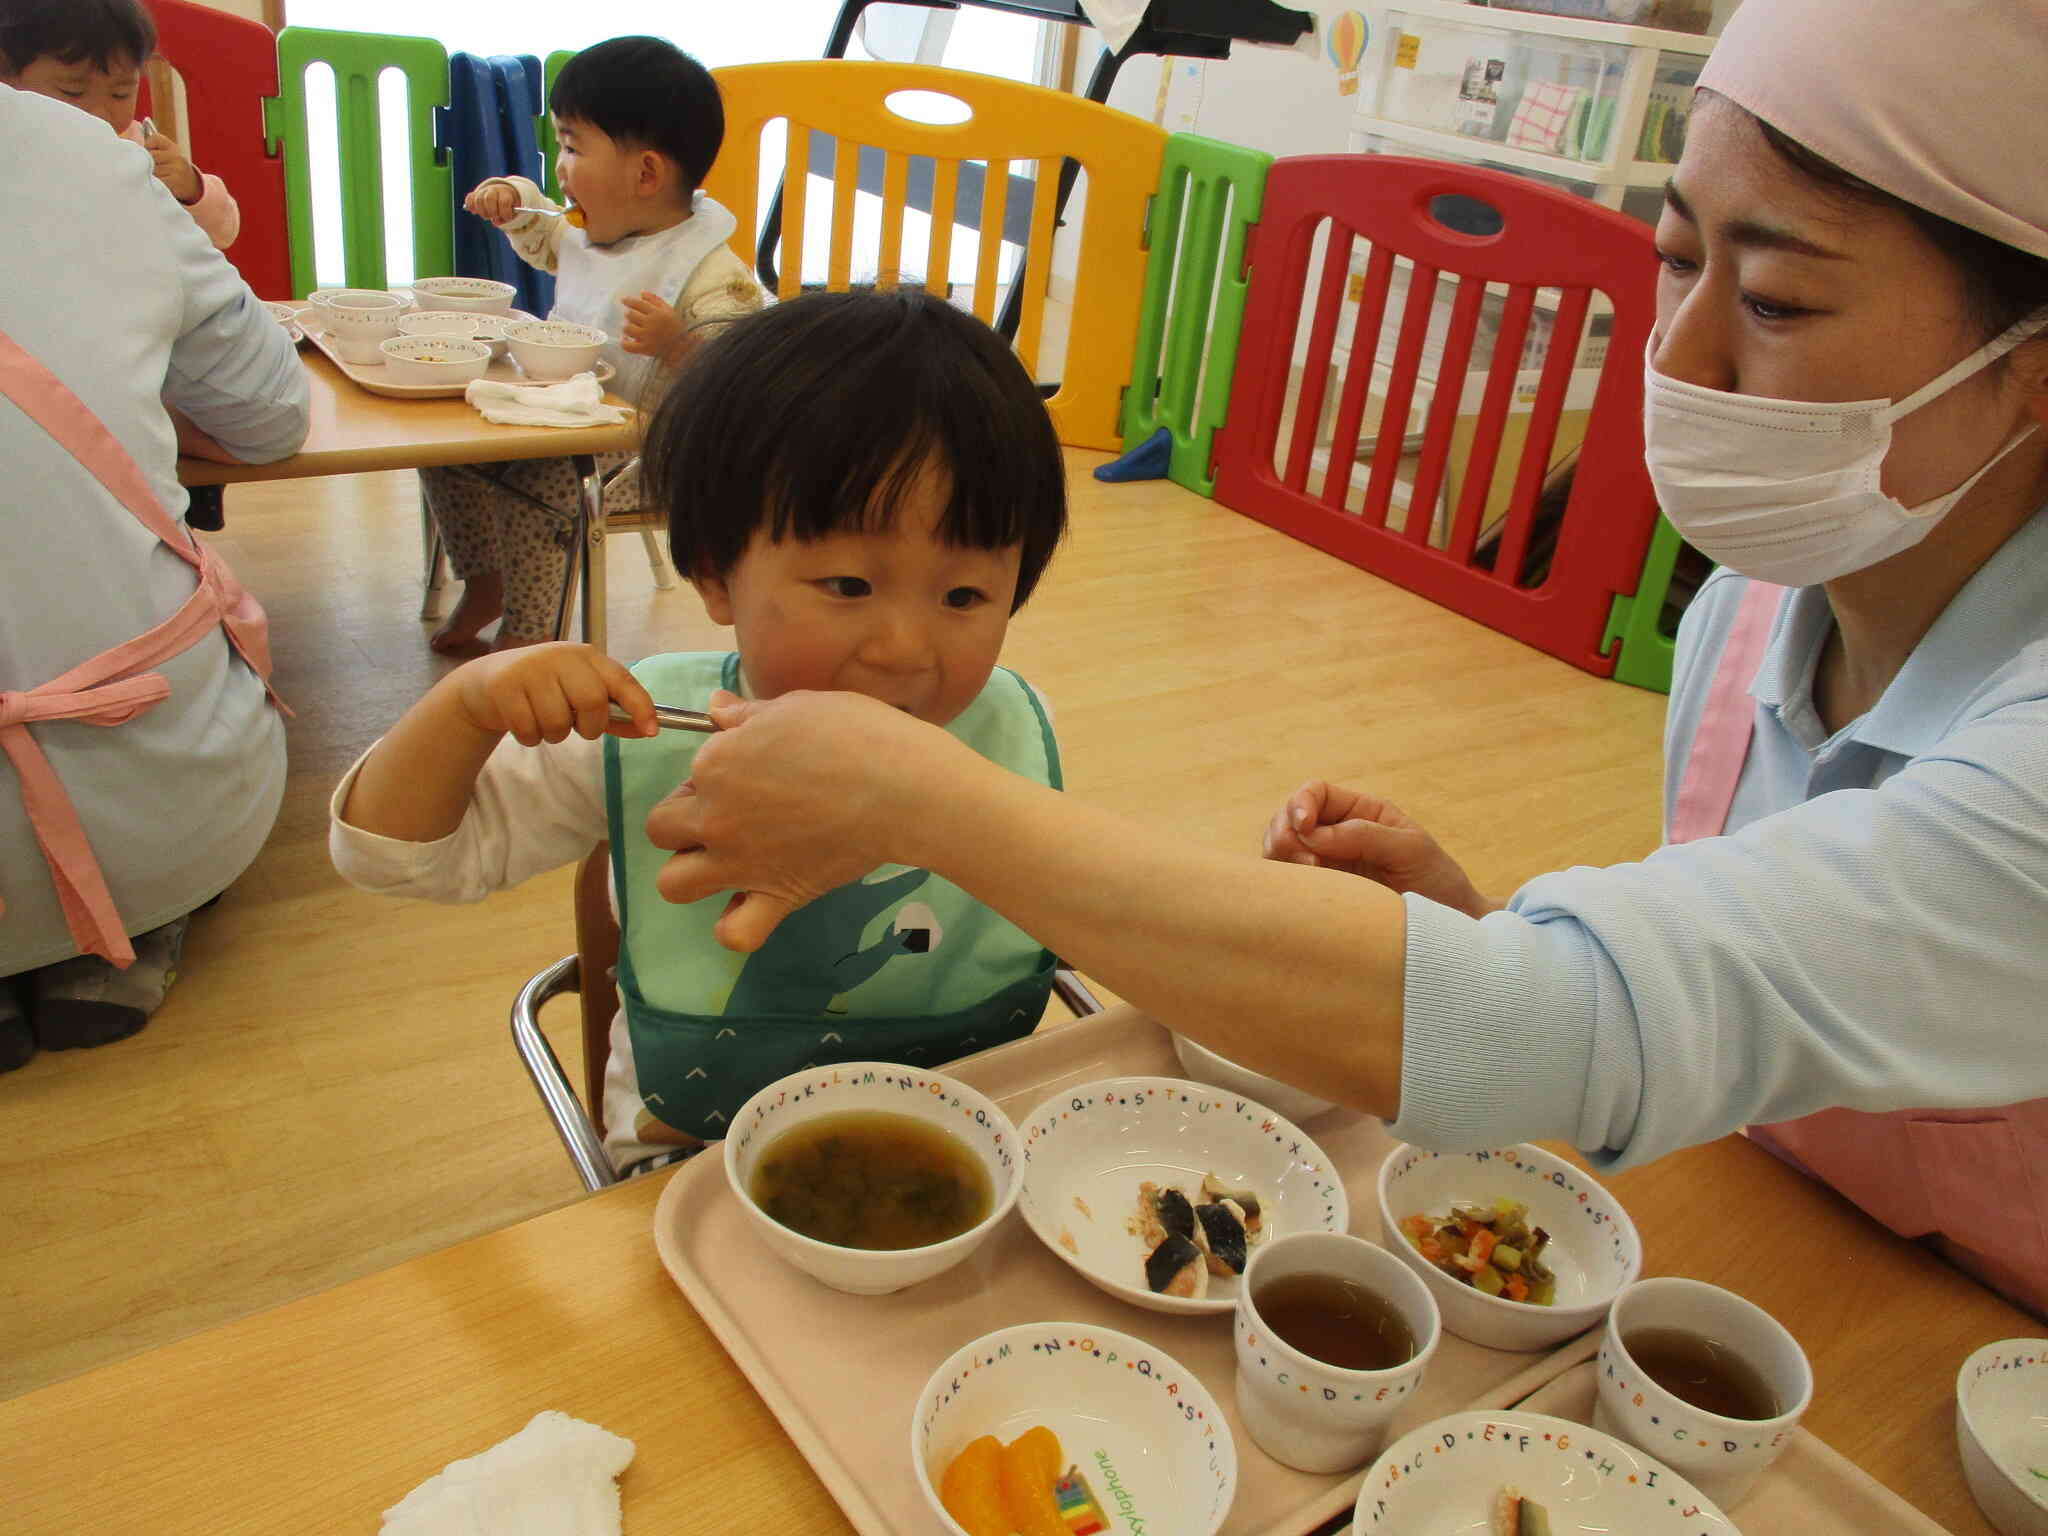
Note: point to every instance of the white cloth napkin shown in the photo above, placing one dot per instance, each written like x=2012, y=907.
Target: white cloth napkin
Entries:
x=556, y=1477
x=575, y=402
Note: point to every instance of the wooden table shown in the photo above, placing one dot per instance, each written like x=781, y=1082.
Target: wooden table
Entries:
x=320, y=1414
x=352, y=431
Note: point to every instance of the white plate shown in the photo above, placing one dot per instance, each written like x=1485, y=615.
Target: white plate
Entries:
x=374, y=377
x=1088, y=1149
x=1138, y=1425
x=1443, y=1478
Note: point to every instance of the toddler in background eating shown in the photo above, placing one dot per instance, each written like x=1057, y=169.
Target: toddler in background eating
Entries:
x=90, y=54
x=644, y=259
x=865, y=486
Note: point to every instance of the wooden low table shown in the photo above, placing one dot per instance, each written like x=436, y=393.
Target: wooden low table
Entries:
x=353, y=432
x=322, y=1413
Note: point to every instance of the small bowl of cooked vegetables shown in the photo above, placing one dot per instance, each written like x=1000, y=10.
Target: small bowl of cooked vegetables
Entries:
x=1520, y=1248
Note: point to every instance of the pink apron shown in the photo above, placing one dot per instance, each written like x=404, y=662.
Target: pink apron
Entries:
x=1973, y=1180
x=115, y=686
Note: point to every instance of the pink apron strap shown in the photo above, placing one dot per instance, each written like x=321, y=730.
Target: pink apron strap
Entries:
x=113, y=687
x=1720, y=739
x=1965, y=1176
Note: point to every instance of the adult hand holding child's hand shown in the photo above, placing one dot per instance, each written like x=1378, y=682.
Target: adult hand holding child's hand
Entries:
x=1346, y=829
x=793, y=797
x=495, y=202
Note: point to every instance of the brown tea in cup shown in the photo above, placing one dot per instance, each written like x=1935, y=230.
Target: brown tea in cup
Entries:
x=1704, y=1372
x=1335, y=1320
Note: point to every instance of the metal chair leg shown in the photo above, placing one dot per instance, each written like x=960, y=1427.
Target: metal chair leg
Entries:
x=657, y=562
x=590, y=518
x=436, y=557
x=571, y=1121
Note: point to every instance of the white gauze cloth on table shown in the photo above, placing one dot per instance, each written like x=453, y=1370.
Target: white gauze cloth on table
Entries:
x=575, y=402
x=556, y=1477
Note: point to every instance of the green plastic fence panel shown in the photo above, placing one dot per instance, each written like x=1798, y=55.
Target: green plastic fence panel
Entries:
x=359, y=60
x=1636, y=620
x=1192, y=311
x=544, y=128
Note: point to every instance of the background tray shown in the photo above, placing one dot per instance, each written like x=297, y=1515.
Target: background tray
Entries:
x=1812, y=1488
x=843, y=1373
x=372, y=376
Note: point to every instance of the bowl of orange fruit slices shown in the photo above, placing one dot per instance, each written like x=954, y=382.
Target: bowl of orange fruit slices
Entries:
x=1065, y=1429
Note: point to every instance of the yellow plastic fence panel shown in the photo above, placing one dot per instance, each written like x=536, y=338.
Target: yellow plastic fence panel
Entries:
x=1013, y=128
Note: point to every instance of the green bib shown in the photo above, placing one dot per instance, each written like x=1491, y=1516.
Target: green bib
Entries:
x=901, y=966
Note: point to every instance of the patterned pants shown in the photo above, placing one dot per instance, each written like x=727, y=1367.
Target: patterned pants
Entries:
x=489, y=522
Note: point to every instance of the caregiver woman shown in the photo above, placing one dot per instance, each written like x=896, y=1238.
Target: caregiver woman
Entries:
x=1844, y=409
x=140, y=763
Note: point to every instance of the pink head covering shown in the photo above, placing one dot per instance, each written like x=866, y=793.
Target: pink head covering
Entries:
x=1941, y=102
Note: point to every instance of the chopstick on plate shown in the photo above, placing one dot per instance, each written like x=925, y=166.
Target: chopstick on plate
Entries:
x=672, y=718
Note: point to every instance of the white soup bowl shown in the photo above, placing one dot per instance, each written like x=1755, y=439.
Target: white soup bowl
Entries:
x=2002, y=1433
x=481, y=295
x=554, y=349
x=434, y=359
x=930, y=1097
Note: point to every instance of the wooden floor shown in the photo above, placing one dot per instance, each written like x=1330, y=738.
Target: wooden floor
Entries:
x=331, y=1088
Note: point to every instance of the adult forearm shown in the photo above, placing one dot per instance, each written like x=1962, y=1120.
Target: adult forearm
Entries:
x=1288, y=969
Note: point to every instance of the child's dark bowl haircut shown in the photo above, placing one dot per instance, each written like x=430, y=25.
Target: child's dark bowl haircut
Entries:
x=815, y=416
x=646, y=92
x=103, y=33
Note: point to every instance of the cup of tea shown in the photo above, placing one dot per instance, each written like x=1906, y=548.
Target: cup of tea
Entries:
x=1708, y=1383
x=1333, y=1335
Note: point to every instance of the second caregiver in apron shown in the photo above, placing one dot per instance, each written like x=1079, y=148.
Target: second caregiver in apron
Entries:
x=141, y=763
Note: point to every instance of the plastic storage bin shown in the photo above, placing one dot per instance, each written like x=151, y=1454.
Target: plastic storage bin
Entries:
x=1550, y=94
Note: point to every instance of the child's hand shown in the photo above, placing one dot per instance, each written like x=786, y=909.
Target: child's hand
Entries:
x=495, y=202
x=653, y=328
x=177, y=173
x=1360, y=834
x=543, y=692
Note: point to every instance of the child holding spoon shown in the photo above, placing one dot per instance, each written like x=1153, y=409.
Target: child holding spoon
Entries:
x=89, y=54
x=639, y=123
x=865, y=486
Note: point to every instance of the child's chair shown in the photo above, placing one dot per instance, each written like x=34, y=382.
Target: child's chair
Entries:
x=1475, y=535
x=930, y=168
x=588, y=973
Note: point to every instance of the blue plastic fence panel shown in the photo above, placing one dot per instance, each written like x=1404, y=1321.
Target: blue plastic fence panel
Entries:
x=489, y=131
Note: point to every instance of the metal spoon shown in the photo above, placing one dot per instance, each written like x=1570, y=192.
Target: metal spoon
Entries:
x=552, y=213
x=672, y=718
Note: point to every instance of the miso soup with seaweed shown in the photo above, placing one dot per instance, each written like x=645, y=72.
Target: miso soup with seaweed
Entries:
x=871, y=1179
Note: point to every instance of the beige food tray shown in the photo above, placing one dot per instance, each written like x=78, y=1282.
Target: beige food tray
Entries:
x=376, y=378
x=1812, y=1488
x=843, y=1373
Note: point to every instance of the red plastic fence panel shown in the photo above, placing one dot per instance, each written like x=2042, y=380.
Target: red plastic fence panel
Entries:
x=229, y=64
x=1376, y=221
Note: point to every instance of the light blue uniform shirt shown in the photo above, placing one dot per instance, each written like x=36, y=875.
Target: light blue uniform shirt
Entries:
x=111, y=286
x=1871, y=933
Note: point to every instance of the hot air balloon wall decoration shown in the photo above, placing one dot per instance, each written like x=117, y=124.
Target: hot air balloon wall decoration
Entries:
x=1344, y=40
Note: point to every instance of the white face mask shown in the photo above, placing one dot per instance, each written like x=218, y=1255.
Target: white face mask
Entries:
x=1787, y=490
